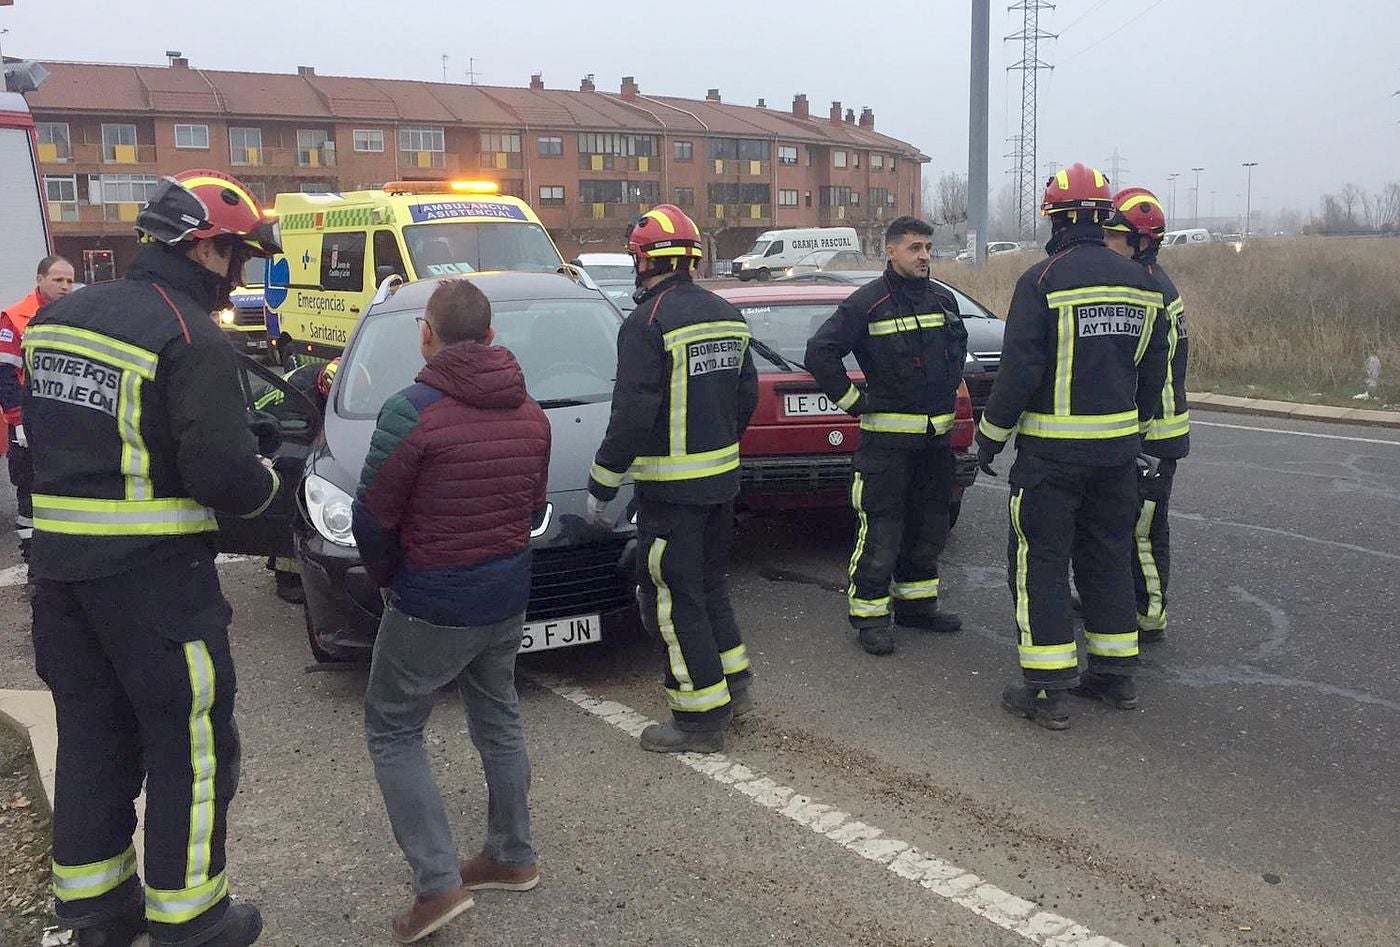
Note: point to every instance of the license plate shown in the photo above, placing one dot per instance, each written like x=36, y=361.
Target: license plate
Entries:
x=817, y=404
x=561, y=633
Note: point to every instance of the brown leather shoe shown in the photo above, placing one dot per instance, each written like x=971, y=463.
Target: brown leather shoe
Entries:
x=481, y=872
x=430, y=914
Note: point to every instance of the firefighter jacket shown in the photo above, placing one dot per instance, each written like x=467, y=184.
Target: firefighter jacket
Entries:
x=13, y=322
x=685, y=390
x=1169, y=436
x=910, y=342
x=139, y=427
x=1084, y=357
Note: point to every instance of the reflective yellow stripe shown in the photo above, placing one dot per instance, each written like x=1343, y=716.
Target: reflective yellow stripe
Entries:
x=1079, y=426
x=882, y=422
x=1148, y=325
x=734, y=660
x=1112, y=646
x=1152, y=624
x=1147, y=561
x=998, y=434
x=1175, y=308
x=1021, y=571
x=664, y=624
x=185, y=904
x=1176, y=425
x=76, y=882
x=1049, y=657
x=869, y=607
x=912, y=323
x=605, y=477
x=680, y=401
x=704, y=331
x=202, y=763
x=80, y=516
x=695, y=702
x=272, y=495
x=1104, y=295
x=862, y=607
x=136, y=460
x=1064, y=360
x=687, y=466
x=104, y=348
x=851, y=396
x=911, y=591
x=1173, y=336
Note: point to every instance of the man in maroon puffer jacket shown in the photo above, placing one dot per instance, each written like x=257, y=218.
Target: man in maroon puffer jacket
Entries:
x=454, y=480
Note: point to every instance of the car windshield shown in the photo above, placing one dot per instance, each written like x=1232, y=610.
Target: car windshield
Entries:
x=454, y=247
x=253, y=272
x=759, y=248
x=567, y=349
x=786, y=327
x=968, y=307
x=621, y=293
x=608, y=271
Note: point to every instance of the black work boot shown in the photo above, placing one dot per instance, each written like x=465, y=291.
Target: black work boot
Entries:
x=1116, y=691
x=240, y=926
x=289, y=588
x=941, y=622
x=1044, y=707
x=741, y=700
x=1151, y=635
x=668, y=738
x=877, y=639
x=116, y=932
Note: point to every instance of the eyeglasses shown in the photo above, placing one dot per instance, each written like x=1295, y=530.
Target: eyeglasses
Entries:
x=423, y=320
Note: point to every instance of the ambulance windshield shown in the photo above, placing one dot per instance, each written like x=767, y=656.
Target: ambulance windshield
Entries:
x=450, y=247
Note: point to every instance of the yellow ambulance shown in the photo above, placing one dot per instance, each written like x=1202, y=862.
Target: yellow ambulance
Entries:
x=339, y=248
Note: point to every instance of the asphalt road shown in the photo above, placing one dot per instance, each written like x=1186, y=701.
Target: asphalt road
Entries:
x=1254, y=798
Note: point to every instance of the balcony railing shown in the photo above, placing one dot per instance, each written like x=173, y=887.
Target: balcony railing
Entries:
x=53, y=153
x=427, y=161
x=742, y=167
x=113, y=154
x=646, y=164
x=286, y=159
x=501, y=160
x=63, y=212
x=740, y=213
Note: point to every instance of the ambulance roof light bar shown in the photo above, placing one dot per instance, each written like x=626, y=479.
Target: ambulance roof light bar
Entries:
x=442, y=187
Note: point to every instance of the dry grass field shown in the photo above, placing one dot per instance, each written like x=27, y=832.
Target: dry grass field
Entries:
x=1286, y=318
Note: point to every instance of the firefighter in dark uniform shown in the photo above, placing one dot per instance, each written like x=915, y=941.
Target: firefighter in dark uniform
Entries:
x=1136, y=231
x=140, y=433
x=911, y=344
x=313, y=381
x=1082, y=368
x=685, y=390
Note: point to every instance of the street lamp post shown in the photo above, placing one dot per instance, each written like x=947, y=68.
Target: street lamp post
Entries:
x=1171, y=180
x=1196, y=200
x=1249, y=167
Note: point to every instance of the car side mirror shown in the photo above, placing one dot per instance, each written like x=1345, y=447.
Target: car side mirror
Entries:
x=384, y=271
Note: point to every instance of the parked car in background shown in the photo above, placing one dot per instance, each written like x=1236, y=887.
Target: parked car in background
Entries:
x=797, y=451
x=821, y=261
x=620, y=292
x=606, y=266
x=1194, y=237
x=565, y=337
x=994, y=248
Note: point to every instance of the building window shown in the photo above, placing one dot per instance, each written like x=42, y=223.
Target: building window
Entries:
x=787, y=198
x=722, y=149
x=125, y=193
x=877, y=162
x=685, y=196
x=369, y=140
x=835, y=196
x=55, y=142
x=598, y=151
x=551, y=195
x=683, y=150
x=192, y=136
x=62, y=195
x=601, y=192
x=551, y=147
x=500, y=150
x=855, y=198
x=314, y=148
x=245, y=146
x=513, y=188
x=892, y=167
x=422, y=147
x=838, y=159
x=753, y=149
x=787, y=154
x=310, y=187
x=119, y=144
x=855, y=159
x=644, y=192
x=879, y=197
x=725, y=192
x=258, y=189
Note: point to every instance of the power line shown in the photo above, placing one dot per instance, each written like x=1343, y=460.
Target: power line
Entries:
x=1082, y=17
x=1109, y=36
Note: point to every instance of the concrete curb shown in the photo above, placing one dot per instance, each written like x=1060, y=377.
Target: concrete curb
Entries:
x=1230, y=404
x=30, y=714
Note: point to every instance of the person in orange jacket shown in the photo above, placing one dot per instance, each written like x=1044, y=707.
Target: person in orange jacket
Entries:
x=54, y=281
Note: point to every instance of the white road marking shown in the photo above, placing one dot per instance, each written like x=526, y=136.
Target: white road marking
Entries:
x=1004, y=909
x=1273, y=430
x=15, y=575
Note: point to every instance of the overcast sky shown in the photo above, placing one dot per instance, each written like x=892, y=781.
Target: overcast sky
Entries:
x=1305, y=89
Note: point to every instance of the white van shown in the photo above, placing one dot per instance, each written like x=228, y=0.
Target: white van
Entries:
x=1196, y=237
x=776, y=250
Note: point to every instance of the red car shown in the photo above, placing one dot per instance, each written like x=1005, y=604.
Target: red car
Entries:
x=797, y=451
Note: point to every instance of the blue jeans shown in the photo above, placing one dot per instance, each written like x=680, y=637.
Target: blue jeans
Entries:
x=413, y=659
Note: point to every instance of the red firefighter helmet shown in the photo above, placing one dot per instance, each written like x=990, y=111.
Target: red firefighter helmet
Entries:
x=204, y=205
x=1137, y=210
x=663, y=233
x=1077, y=188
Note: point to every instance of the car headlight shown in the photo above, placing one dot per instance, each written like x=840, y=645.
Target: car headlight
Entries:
x=226, y=316
x=969, y=359
x=328, y=508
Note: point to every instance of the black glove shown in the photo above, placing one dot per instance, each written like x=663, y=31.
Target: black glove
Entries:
x=987, y=450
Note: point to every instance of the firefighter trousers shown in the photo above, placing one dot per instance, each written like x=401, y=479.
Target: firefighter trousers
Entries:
x=143, y=686
x=1152, y=550
x=22, y=476
x=683, y=585
x=901, y=502
x=1062, y=513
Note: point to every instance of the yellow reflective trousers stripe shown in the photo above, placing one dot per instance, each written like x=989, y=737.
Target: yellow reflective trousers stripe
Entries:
x=734, y=660
x=1048, y=657
x=1021, y=570
x=77, y=882
x=862, y=607
x=202, y=763
x=912, y=591
x=185, y=904
x=664, y=623
x=1156, y=616
x=699, y=701
x=1112, y=646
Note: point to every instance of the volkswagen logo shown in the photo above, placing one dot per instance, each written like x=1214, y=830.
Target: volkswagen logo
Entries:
x=835, y=438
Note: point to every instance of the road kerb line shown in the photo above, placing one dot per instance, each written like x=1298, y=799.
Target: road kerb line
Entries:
x=946, y=880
